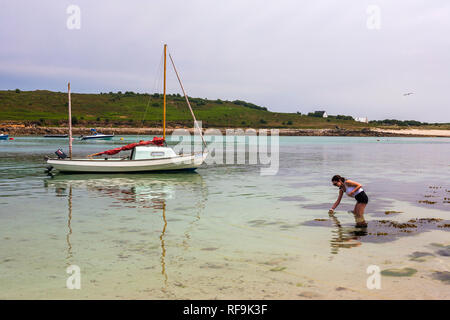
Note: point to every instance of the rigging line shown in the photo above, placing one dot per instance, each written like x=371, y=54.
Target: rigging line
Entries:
x=187, y=100
x=155, y=89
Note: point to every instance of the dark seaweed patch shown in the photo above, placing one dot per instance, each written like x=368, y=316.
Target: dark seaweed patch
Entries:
x=419, y=256
x=443, y=276
x=378, y=231
x=392, y=212
x=444, y=252
x=405, y=272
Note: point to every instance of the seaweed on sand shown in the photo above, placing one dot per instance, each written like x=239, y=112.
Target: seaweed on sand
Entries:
x=404, y=272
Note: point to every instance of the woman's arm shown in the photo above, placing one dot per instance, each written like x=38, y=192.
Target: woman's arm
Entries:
x=338, y=200
x=353, y=184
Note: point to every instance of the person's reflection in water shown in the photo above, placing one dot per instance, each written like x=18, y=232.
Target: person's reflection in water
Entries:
x=343, y=237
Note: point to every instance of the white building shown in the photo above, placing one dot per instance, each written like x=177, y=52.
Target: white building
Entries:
x=362, y=119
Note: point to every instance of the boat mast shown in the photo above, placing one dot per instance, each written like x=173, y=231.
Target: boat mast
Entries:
x=70, y=123
x=164, y=99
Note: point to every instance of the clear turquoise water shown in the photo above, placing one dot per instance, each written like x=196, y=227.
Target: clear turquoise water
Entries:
x=226, y=231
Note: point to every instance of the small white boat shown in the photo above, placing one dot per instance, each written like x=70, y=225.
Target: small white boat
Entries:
x=145, y=155
x=97, y=136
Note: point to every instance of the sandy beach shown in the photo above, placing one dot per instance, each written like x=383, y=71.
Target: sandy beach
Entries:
x=416, y=132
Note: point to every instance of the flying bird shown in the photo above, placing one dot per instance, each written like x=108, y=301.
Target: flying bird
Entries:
x=407, y=94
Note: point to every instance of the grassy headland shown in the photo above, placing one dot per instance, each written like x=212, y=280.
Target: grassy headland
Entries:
x=46, y=108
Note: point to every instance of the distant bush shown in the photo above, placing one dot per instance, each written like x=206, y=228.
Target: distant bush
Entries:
x=262, y=121
x=74, y=120
x=289, y=123
x=342, y=117
x=248, y=105
x=315, y=114
x=17, y=90
x=155, y=104
x=391, y=122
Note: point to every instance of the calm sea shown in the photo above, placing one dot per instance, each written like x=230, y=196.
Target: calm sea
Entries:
x=225, y=231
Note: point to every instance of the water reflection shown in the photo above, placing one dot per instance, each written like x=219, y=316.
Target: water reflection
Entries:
x=344, y=237
x=153, y=192
x=69, y=233
x=163, y=248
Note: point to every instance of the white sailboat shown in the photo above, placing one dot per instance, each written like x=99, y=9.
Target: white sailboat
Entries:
x=145, y=156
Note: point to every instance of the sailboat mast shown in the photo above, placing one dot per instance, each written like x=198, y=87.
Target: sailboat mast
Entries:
x=164, y=103
x=70, y=122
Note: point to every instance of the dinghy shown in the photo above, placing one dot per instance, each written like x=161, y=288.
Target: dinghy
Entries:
x=146, y=156
x=4, y=136
x=97, y=136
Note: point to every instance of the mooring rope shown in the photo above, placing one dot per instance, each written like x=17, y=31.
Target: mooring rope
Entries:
x=187, y=101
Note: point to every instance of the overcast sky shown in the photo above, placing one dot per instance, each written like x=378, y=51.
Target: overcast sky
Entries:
x=285, y=55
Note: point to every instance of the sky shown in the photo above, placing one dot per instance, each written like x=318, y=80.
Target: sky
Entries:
x=354, y=57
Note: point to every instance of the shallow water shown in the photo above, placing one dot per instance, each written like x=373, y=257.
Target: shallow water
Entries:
x=225, y=231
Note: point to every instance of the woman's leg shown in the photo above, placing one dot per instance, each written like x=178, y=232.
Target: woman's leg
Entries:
x=359, y=214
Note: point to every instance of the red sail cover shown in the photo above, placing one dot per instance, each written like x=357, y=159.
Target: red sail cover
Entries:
x=156, y=141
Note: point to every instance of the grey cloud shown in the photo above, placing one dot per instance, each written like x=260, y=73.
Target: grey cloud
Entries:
x=286, y=55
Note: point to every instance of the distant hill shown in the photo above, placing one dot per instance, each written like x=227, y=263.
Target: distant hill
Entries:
x=49, y=108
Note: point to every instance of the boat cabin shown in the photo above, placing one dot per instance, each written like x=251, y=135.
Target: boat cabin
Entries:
x=151, y=152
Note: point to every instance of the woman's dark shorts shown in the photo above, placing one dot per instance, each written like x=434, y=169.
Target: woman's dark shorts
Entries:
x=362, y=197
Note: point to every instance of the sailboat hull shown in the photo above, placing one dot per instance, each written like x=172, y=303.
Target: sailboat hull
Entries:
x=183, y=162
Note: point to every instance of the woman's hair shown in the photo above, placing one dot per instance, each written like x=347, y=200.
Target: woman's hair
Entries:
x=338, y=178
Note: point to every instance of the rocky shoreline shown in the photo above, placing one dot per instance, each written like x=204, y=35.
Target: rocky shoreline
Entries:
x=21, y=130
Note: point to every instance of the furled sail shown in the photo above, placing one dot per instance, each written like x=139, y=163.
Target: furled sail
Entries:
x=156, y=141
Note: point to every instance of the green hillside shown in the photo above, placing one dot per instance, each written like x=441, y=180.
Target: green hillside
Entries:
x=130, y=109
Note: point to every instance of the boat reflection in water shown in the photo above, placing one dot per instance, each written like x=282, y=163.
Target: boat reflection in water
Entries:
x=154, y=192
